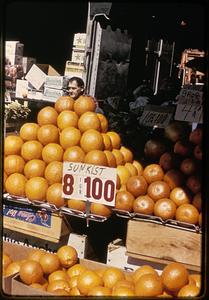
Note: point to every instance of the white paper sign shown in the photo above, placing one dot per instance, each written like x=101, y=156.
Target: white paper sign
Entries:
x=154, y=115
x=89, y=182
x=36, y=77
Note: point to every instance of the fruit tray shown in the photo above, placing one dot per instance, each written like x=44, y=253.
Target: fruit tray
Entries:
x=158, y=220
x=53, y=208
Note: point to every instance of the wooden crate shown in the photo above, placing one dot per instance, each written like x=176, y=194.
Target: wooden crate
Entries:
x=163, y=244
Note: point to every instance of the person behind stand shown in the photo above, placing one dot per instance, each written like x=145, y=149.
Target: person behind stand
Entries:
x=76, y=89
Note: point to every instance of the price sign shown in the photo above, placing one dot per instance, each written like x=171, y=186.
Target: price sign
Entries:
x=154, y=115
x=89, y=182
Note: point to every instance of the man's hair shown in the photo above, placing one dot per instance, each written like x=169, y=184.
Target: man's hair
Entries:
x=79, y=81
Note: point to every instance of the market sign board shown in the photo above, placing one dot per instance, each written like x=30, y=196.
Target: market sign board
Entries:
x=89, y=182
x=155, y=115
x=189, y=106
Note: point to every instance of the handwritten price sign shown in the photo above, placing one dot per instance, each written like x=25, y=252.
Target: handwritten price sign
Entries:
x=154, y=115
x=89, y=182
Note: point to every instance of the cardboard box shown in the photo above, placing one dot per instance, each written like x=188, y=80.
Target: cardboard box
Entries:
x=14, y=59
x=163, y=244
x=74, y=69
x=56, y=82
x=78, y=56
x=79, y=40
x=37, y=74
x=14, y=48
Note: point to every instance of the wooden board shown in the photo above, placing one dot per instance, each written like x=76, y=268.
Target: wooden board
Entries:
x=163, y=244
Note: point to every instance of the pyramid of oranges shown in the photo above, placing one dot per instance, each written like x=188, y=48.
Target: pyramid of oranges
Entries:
x=70, y=131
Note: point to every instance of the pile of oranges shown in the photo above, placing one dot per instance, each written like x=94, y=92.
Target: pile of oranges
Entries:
x=70, y=131
x=61, y=273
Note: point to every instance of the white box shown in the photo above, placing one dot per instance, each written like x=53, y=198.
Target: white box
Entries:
x=21, y=90
x=14, y=48
x=56, y=82
x=78, y=55
x=79, y=40
x=74, y=69
x=53, y=93
x=37, y=74
x=14, y=59
x=27, y=63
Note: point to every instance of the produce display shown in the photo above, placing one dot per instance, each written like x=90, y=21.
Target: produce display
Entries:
x=62, y=273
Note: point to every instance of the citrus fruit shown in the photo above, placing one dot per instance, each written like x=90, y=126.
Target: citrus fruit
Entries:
x=87, y=280
x=31, y=272
x=137, y=185
x=197, y=201
x=12, y=144
x=180, y=195
x=100, y=291
x=103, y=122
x=148, y=285
x=123, y=174
x=174, y=178
x=47, y=115
x=96, y=157
x=91, y=139
x=127, y=154
x=195, y=279
x=138, y=166
x=48, y=134
x=124, y=283
x=77, y=204
x=67, y=118
x=75, y=291
x=70, y=136
x=58, y=275
x=143, y=205
x=13, y=164
x=188, y=166
x=31, y=150
x=54, y=195
x=100, y=209
x=133, y=170
x=107, y=141
x=64, y=103
x=165, y=209
x=73, y=281
x=118, y=157
x=153, y=172
x=67, y=255
x=15, y=184
x=74, y=154
x=75, y=270
x=34, y=168
x=200, y=219
x=111, y=276
x=53, y=172
x=49, y=262
x=12, y=268
x=35, y=188
x=56, y=285
x=111, y=160
x=88, y=120
x=193, y=182
x=115, y=139
x=35, y=254
x=6, y=260
x=122, y=291
x=28, y=131
x=52, y=152
x=168, y=161
x=142, y=270
x=84, y=104
x=124, y=201
x=189, y=290
x=187, y=213
x=158, y=189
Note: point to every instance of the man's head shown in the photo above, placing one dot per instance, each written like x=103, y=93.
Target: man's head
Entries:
x=75, y=87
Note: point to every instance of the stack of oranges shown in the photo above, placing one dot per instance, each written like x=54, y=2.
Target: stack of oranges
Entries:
x=61, y=273
x=70, y=131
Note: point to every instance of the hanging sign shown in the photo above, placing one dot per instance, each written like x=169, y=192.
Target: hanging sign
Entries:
x=89, y=182
x=189, y=106
x=155, y=115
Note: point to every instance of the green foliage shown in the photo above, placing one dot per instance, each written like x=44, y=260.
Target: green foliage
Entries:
x=15, y=111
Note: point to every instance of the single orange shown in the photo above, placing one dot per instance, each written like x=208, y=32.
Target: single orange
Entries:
x=132, y=169
x=137, y=185
x=35, y=188
x=70, y=136
x=103, y=122
x=57, y=285
x=142, y=270
x=158, y=189
x=52, y=152
x=189, y=290
x=15, y=184
x=100, y=209
x=48, y=134
x=174, y=178
x=64, y=103
x=111, y=160
x=111, y=276
x=165, y=209
x=12, y=145
x=187, y=213
x=118, y=157
x=124, y=201
x=75, y=270
x=127, y=154
x=67, y=118
x=31, y=272
x=138, y=166
x=84, y=104
x=13, y=164
x=107, y=141
x=91, y=139
x=123, y=174
x=49, y=262
x=180, y=195
x=54, y=195
x=31, y=150
x=100, y=291
x=58, y=275
x=153, y=172
x=47, y=115
x=96, y=157
x=28, y=131
x=67, y=255
x=74, y=154
x=34, y=168
x=77, y=204
x=53, y=172
x=115, y=139
x=88, y=280
x=143, y=205
x=197, y=201
x=149, y=285
x=89, y=120
x=123, y=291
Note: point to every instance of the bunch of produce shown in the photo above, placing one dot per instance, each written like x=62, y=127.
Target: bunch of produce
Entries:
x=62, y=273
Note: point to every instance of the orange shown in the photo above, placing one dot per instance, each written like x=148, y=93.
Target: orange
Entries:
x=88, y=120
x=124, y=283
x=31, y=150
x=195, y=279
x=12, y=144
x=91, y=139
x=165, y=209
x=187, y=213
x=133, y=170
x=118, y=157
x=197, y=201
x=35, y=188
x=67, y=118
x=4, y=179
x=174, y=178
x=180, y=195
x=123, y=174
x=145, y=269
x=12, y=268
x=115, y=139
x=158, y=189
x=100, y=271
x=34, y=168
x=67, y=255
x=123, y=291
x=38, y=286
x=88, y=280
x=99, y=291
x=64, y=103
x=31, y=272
x=111, y=276
x=127, y=154
x=52, y=152
x=13, y=164
x=48, y=134
x=137, y=185
x=54, y=195
x=96, y=157
x=70, y=136
x=77, y=204
x=111, y=160
x=138, y=166
x=103, y=122
x=73, y=281
x=75, y=292
x=47, y=115
x=149, y=285
x=49, y=262
x=6, y=260
x=189, y=290
x=35, y=254
x=84, y=104
x=174, y=276
x=61, y=292
x=75, y=270
x=107, y=141
x=15, y=184
x=57, y=285
x=58, y=275
x=28, y=131
x=200, y=219
x=194, y=183
x=100, y=209
x=124, y=201
x=53, y=172
x=74, y=154
x=143, y=205
x=153, y=172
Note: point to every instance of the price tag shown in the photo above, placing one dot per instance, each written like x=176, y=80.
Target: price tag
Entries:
x=89, y=182
x=154, y=115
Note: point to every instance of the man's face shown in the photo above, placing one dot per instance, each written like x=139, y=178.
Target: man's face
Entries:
x=74, y=90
